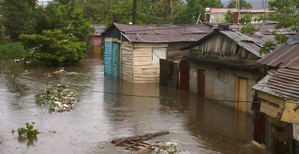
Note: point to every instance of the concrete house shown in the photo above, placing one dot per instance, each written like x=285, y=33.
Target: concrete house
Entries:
x=133, y=52
x=217, y=15
x=276, y=114
x=222, y=66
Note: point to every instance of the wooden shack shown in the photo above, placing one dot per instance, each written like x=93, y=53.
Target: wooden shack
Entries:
x=222, y=66
x=133, y=52
x=276, y=106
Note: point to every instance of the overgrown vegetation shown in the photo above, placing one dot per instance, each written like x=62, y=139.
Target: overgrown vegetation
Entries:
x=267, y=47
x=28, y=131
x=228, y=17
x=53, y=47
x=12, y=50
x=249, y=29
x=280, y=38
x=246, y=19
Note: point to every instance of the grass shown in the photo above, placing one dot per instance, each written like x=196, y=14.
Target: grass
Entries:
x=11, y=50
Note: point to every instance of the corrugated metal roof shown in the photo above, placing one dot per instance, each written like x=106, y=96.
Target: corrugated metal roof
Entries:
x=253, y=10
x=285, y=56
x=252, y=44
x=163, y=33
x=99, y=29
x=283, y=83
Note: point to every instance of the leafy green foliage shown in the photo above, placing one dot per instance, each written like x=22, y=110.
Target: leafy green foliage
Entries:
x=267, y=47
x=64, y=16
x=228, y=17
x=17, y=16
x=54, y=47
x=287, y=13
x=246, y=19
x=244, y=4
x=11, y=50
x=280, y=38
x=29, y=130
x=249, y=29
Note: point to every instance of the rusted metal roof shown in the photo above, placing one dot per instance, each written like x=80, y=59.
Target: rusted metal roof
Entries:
x=282, y=83
x=286, y=55
x=163, y=33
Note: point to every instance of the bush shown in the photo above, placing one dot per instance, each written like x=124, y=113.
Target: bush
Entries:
x=246, y=19
x=11, y=50
x=248, y=29
x=53, y=47
x=281, y=38
x=267, y=47
x=29, y=131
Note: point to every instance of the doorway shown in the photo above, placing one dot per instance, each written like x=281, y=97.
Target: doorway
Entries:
x=201, y=82
x=240, y=94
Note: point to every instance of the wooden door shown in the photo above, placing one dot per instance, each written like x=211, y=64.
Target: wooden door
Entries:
x=184, y=75
x=259, y=127
x=201, y=82
x=108, y=57
x=241, y=94
x=115, y=59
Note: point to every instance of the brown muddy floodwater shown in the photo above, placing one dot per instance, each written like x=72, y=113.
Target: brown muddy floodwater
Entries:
x=110, y=108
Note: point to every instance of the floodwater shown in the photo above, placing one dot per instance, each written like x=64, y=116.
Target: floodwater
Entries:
x=111, y=108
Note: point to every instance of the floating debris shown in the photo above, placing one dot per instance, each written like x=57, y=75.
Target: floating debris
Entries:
x=60, y=98
x=137, y=143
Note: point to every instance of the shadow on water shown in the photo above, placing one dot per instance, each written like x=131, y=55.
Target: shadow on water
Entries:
x=110, y=108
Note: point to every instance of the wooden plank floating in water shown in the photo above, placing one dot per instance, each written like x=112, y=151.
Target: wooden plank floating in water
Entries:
x=137, y=142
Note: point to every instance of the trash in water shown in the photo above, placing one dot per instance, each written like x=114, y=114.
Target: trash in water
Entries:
x=59, y=97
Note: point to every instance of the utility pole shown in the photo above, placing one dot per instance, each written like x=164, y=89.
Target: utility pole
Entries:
x=239, y=9
x=134, y=12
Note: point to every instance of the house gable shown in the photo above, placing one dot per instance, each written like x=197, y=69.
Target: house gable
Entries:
x=218, y=44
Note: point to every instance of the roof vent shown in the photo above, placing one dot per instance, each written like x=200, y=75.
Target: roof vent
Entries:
x=224, y=26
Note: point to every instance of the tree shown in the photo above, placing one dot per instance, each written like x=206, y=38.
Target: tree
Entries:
x=287, y=13
x=53, y=47
x=228, y=17
x=17, y=16
x=66, y=17
x=190, y=12
x=244, y=4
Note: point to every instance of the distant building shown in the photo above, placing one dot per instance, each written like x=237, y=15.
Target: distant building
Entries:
x=217, y=15
x=276, y=107
x=97, y=39
x=133, y=52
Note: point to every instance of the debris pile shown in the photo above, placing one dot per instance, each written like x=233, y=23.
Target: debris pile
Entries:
x=60, y=98
x=138, y=144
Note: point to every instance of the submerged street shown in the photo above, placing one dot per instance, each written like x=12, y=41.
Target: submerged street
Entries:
x=111, y=108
